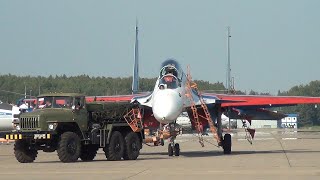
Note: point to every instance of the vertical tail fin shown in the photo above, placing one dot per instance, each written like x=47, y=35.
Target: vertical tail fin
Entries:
x=135, y=77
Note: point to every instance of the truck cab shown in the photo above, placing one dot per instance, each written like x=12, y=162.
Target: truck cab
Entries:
x=52, y=109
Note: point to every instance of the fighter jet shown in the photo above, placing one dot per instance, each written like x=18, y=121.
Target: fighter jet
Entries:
x=170, y=97
x=174, y=92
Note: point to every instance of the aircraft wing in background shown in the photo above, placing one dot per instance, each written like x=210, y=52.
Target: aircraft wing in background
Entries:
x=142, y=98
x=266, y=101
x=254, y=106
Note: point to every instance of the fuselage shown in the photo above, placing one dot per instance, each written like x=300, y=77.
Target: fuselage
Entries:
x=169, y=97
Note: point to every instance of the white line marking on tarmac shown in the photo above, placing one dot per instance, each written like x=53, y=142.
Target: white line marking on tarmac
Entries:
x=257, y=139
x=289, y=138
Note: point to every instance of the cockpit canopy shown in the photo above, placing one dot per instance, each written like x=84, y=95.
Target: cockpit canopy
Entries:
x=168, y=81
x=170, y=67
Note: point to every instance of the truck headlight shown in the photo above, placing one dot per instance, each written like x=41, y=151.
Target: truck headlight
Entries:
x=52, y=126
x=18, y=127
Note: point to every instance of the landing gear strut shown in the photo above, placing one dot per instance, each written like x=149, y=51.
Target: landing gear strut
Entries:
x=173, y=147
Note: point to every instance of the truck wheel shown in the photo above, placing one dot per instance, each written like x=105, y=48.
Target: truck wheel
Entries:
x=23, y=153
x=88, y=152
x=115, y=147
x=131, y=147
x=69, y=147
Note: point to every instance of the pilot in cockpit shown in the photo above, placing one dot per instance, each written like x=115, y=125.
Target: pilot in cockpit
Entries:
x=168, y=79
x=168, y=82
x=169, y=70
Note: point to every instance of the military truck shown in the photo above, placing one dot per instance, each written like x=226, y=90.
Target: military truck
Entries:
x=65, y=123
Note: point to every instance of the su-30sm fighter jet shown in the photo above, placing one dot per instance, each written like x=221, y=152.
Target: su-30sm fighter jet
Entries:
x=174, y=92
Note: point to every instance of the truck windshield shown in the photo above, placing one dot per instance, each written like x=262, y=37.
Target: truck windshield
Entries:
x=54, y=102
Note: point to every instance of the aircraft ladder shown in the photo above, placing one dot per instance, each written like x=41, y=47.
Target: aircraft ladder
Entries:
x=133, y=118
x=191, y=85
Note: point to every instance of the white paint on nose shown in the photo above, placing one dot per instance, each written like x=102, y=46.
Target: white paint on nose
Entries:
x=167, y=105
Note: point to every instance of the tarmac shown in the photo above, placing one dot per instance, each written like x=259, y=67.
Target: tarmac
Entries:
x=274, y=154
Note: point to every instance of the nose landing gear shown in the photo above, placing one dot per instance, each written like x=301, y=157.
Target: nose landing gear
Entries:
x=173, y=148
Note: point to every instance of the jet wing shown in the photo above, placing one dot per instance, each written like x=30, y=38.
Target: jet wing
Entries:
x=143, y=98
x=116, y=98
x=110, y=98
x=253, y=113
x=265, y=101
x=254, y=106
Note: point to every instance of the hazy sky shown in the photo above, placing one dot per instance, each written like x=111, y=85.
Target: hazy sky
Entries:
x=275, y=44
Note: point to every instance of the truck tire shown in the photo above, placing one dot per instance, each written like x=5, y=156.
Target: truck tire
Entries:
x=69, y=147
x=131, y=147
x=115, y=147
x=23, y=153
x=88, y=152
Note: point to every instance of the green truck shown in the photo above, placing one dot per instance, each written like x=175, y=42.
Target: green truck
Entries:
x=66, y=123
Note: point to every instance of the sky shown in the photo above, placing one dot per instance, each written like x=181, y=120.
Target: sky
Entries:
x=274, y=45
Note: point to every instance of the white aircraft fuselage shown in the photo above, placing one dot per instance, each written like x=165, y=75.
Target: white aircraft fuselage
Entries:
x=168, y=104
x=169, y=97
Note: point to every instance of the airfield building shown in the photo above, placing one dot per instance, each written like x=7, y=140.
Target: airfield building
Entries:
x=270, y=123
x=291, y=121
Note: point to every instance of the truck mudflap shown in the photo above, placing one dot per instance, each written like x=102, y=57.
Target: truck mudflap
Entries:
x=27, y=136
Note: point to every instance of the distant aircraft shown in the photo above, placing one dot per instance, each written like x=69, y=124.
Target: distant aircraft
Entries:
x=7, y=114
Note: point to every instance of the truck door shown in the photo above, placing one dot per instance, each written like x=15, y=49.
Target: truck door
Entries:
x=80, y=113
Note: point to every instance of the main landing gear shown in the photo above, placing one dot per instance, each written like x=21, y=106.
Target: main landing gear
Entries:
x=173, y=148
x=226, y=144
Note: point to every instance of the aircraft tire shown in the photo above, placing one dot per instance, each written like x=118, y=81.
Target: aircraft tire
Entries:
x=177, y=149
x=88, y=152
x=170, y=150
x=132, y=146
x=106, y=151
x=227, y=144
x=116, y=146
x=69, y=147
x=22, y=152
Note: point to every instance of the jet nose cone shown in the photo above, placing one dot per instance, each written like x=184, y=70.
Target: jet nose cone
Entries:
x=167, y=106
